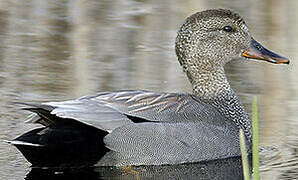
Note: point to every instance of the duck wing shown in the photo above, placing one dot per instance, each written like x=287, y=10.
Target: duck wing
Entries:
x=109, y=110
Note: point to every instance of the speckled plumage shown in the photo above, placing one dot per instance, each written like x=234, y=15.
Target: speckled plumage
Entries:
x=203, y=48
x=153, y=128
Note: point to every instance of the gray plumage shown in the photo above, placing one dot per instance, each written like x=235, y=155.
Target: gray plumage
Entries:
x=170, y=143
x=152, y=106
x=183, y=126
x=153, y=128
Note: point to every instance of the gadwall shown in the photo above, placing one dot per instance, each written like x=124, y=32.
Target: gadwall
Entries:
x=135, y=127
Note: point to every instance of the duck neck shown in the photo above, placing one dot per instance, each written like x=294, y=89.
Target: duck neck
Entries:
x=231, y=107
x=209, y=83
x=213, y=86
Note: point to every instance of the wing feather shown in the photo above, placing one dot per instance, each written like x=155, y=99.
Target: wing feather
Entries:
x=109, y=110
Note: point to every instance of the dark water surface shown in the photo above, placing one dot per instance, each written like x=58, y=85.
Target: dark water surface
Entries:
x=58, y=50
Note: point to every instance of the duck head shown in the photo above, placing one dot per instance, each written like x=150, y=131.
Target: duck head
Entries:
x=209, y=39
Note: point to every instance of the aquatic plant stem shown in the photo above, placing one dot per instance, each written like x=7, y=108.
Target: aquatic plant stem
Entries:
x=255, y=139
x=245, y=164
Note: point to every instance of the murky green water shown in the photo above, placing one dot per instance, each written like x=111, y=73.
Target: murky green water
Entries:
x=57, y=50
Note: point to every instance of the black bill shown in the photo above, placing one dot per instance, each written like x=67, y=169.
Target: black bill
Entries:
x=257, y=51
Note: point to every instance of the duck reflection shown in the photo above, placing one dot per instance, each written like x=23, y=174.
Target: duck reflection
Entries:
x=219, y=169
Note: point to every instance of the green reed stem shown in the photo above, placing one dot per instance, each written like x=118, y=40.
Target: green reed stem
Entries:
x=245, y=164
x=255, y=139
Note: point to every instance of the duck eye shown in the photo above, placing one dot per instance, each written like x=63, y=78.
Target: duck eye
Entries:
x=228, y=28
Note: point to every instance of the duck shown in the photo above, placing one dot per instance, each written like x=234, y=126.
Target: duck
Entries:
x=140, y=127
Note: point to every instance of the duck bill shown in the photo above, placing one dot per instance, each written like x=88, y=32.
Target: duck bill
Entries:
x=258, y=52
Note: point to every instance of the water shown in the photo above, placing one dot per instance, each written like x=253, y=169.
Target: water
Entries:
x=58, y=50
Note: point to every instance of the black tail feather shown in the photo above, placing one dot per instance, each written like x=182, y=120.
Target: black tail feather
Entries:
x=64, y=144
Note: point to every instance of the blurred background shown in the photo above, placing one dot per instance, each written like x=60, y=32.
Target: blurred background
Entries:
x=63, y=49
